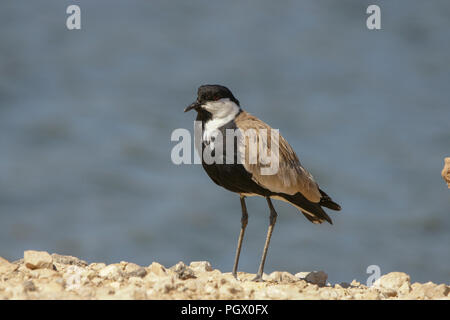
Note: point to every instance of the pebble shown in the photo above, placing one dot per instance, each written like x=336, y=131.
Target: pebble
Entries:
x=29, y=286
x=314, y=277
x=157, y=269
x=7, y=267
x=130, y=267
x=37, y=259
x=392, y=281
x=201, y=266
x=183, y=271
x=141, y=272
x=75, y=279
x=282, y=277
x=68, y=260
x=112, y=272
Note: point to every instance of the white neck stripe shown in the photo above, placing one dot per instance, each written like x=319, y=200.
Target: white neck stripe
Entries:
x=222, y=111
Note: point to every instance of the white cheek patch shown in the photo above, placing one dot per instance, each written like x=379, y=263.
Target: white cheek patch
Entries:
x=223, y=111
x=221, y=108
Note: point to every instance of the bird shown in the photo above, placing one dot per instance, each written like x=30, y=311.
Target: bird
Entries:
x=218, y=111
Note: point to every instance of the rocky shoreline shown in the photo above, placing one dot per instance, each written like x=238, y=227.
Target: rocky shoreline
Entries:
x=40, y=275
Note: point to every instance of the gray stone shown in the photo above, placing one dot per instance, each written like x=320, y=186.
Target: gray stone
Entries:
x=183, y=271
x=68, y=260
x=29, y=286
x=141, y=272
x=314, y=277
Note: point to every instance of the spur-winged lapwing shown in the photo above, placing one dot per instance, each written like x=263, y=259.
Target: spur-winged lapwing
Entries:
x=218, y=111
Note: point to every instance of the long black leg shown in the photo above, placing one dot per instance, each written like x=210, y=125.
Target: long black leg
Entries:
x=244, y=221
x=272, y=221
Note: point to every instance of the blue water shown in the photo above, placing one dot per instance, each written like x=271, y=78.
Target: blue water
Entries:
x=86, y=118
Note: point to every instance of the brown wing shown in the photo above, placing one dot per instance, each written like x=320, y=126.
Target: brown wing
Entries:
x=290, y=177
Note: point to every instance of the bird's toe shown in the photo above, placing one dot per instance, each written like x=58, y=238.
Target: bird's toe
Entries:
x=258, y=278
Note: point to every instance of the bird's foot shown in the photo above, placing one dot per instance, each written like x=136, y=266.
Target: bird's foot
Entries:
x=258, y=278
x=235, y=275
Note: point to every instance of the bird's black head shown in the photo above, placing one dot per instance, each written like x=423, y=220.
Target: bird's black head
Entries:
x=210, y=93
x=214, y=92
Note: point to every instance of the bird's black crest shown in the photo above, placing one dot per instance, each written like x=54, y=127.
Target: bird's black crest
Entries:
x=213, y=92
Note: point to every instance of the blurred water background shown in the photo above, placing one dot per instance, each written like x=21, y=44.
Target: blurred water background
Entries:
x=86, y=118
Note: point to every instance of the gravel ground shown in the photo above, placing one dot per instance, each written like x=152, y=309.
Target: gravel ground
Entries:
x=40, y=275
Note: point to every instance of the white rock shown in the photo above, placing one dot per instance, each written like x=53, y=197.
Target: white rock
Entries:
x=37, y=259
x=301, y=275
x=201, y=266
x=392, y=281
x=355, y=283
x=6, y=266
x=282, y=277
x=157, y=269
x=430, y=290
x=43, y=273
x=131, y=267
x=73, y=278
x=405, y=288
x=73, y=282
x=112, y=272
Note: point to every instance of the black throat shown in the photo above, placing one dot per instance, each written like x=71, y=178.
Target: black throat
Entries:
x=203, y=116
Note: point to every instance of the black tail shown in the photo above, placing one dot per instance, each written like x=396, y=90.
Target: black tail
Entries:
x=312, y=211
x=327, y=202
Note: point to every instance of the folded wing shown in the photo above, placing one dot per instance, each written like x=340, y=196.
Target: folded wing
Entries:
x=290, y=176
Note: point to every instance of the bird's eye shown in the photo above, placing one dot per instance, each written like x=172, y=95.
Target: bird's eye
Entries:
x=215, y=98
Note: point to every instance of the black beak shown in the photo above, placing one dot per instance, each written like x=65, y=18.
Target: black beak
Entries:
x=195, y=105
